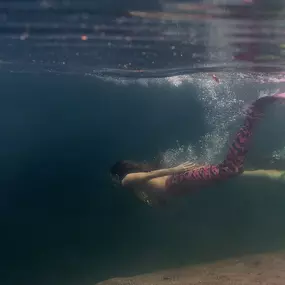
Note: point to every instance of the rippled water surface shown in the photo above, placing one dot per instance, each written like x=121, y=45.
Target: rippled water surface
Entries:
x=141, y=38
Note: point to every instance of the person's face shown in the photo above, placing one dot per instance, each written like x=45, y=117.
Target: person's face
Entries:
x=115, y=179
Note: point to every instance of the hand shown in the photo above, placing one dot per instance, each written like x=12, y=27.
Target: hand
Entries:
x=187, y=166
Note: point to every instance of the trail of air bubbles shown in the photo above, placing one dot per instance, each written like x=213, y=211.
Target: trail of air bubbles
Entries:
x=223, y=105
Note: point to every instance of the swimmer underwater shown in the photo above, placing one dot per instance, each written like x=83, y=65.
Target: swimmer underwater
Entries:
x=151, y=184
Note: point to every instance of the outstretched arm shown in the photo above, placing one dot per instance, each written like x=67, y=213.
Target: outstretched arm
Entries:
x=273, y=174
x=136, y=178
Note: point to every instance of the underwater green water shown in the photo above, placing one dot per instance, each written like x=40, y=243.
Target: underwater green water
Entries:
x=62, y=222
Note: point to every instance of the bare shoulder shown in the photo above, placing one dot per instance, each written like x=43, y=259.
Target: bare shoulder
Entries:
x=133, y=178
x=157, y=183
x=143, y=179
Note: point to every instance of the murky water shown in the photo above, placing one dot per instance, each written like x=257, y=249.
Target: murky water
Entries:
x=86, y=83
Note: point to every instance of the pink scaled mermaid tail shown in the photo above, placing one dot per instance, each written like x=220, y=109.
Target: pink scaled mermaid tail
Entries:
x=234, y=161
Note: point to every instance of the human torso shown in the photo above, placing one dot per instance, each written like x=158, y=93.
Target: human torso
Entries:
x=158, y=187
x=155, y=185
x=153, y=191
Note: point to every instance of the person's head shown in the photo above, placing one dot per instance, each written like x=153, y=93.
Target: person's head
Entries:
x=124, y=167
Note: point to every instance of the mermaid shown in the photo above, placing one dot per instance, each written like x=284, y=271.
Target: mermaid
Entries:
x=150, y=183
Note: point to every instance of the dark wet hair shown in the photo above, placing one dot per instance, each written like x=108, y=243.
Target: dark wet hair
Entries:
x=123, y=167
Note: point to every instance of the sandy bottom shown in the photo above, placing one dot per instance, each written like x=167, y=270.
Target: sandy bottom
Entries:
x=263, y=269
